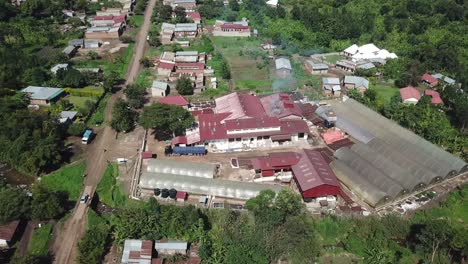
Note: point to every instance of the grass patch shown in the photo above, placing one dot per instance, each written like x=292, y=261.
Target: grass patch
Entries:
x=98, y=116
x=332, y=59
x=243, y=68
x=109, y=190
x=95, y=220
x=117, y=62
x=79, y=101
x=385, y=91
x=68, y=179
x=39, y=244
x=332, y=230
x=145, y=78
x=138, y=20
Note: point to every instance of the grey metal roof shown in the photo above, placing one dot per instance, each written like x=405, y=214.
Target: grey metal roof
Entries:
x=183, y=1
x=186, y=27
x=76, y=42
x=42, y=93
x=65, y=115
x=204, y=186
x=58, y=67
x=449, y=80
x=366, y=66
x=357, y=81
x=331, y=81
x=317, y=66
x=174, y=245
x=93, y=70
x=186, y=53
x=283, y=63
x=159, y=85
x=68, y=50
x=437, y=76
x=185, y=168
x=133, y=245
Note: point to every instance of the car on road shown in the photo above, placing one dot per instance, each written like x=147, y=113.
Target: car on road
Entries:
x=84, y=198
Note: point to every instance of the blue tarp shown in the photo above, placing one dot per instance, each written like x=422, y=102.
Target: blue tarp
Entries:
x=188, y=150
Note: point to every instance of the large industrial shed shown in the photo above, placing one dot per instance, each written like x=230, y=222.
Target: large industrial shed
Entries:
x=204, y=186
x=192, y=169
x=388, y=160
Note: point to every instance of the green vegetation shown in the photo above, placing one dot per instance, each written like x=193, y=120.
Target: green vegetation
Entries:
x=168, y=119
x=123, y=117
x=92, y=245
x=145, y=79
x=137, y=21
x=97, y=118
x=384, y=91
x=68, y=179
x=39, y=244
x=14, y=204
x=79, y=101
x=332, y=59
x=109, y=190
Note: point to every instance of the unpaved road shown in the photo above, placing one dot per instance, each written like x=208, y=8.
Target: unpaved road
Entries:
x=97, y=156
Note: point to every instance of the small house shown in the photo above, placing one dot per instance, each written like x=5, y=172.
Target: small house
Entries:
x=189, y=5
x=435, y=96
x=186, y=56
x=356, y=82
x=70, y=51
x=410, y=95
x=331, y=87
x=165, y=68
x=137, y=251
x=67, y=116
x=167, y=56
x=170, y=247
x=283, y=67
x=159, y=89
x=60, y=66
x=7, y=234
x=43, y=95
x=194, y=16
x=178, y=100
x=185, y=30
x=429, y=80
x=231, y=29
x=316, y=68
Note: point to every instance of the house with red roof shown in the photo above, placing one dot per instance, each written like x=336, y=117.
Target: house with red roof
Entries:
x=164, y=68
x=309, y=169
x=429, y=80
x=435, y=96
x=410, y=95
x=240, y=122
x=8, y=233
x=177, y=100
x=194, y=16
x=281, y=106
x=231, y=29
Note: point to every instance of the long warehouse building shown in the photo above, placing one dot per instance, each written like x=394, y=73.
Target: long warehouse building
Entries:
x=387, y=159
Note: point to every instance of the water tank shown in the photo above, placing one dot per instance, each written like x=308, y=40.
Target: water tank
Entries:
x=157, y=191
x=172, y=193
x=164, y=193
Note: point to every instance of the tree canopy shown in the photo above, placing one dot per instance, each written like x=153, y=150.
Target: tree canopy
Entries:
x=123, y=117
x=169, y=118
x=184, y=86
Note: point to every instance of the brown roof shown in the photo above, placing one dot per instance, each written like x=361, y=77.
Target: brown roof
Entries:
x=7, y=231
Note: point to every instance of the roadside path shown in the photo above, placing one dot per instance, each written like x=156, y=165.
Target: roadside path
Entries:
x=65, y=244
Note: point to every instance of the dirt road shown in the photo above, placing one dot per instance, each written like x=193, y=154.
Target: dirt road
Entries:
x=97, y=157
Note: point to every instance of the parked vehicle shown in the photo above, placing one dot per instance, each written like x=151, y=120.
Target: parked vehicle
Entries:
x=189, y=151
x=87, y=136
x=84, y=198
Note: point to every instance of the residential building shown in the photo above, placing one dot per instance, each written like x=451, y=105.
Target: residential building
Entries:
x=355, y=82
x=60, y=66
x=367, y=51
x=67, y=116
x=109, y=21
x=283, y=67
x=194, y=16
x=168, y=247
x=70, y=51
x=351, y=66
x=429, y=80
x=167, y=33
x=331, y=87
x=159, y=89
x=410, y=95
x=165, y=68
x=90, y=70
x=99, y=33
x=8, y=233
x=185, y=30
x=189, y=5
x=137, y=251
x=280, y=105
x=316, y=68
x=42, y=95
x=231, y=29
x=85, y=43
x=177, y=100
x=444, y=79
x=186, y=56
x=435, y=96
x=188, y=67
x=167, y=56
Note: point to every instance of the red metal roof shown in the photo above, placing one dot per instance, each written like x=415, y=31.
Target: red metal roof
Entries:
x=332, y=135
x=280, y=105
x=252, y=123
x=147, y=155
x=197, y=65
x=435, y=96
x=179, y=140
x=275, y=160
x=233, y=26
x=174, y=100
x=409, y=92
x=240, y=105
x=194, y=15
x=431, y=80
x=313, y=171
x=109, y=17
x=166, y=65
x=181, y=195
x=7, y=231
x=203, y=111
